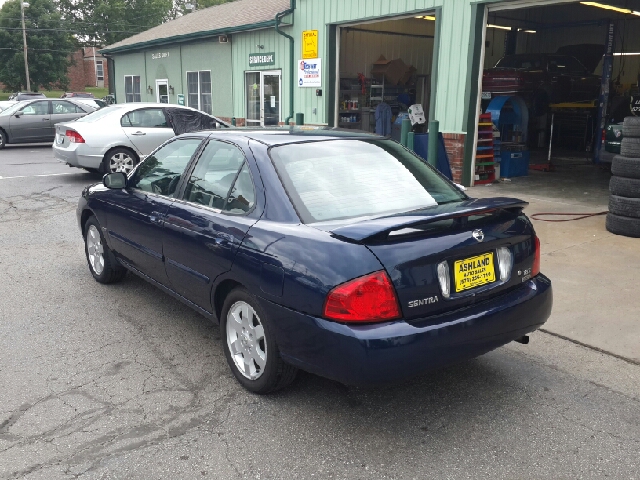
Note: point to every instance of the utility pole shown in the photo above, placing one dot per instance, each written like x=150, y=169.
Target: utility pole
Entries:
x=24, y=44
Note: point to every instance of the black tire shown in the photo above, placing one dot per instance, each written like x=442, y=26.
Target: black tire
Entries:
x=626, y=207
x=625, y=187
x=625, y=167
x=3, y=139
x=630, y=147
x=631, y=127
x=627, y=226
x=111, y=156
x=111, y=271
x=276, y=373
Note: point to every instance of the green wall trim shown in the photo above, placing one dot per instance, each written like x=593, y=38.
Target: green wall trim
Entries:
x=471, y=90
x=330, y=89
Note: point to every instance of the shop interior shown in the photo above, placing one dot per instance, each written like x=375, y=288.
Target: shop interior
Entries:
x=540, y=110
x=541, y=104
x=385, y=67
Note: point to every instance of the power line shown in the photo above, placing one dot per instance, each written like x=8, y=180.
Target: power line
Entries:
x=38, y=50
x=64, y=30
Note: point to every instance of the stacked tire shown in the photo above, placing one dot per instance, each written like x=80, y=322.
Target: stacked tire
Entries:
x=624, y=201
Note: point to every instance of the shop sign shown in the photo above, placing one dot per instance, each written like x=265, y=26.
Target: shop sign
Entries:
x=180, y=99
x=310, y=73
x=157, y=56
x=635, y=105
x=262, y=59
x=309, y=44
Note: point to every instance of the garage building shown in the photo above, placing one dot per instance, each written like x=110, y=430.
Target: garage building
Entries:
x=261, y=62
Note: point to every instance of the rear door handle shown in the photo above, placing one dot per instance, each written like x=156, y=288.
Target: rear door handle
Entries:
x=45, y=119
x=138, y=133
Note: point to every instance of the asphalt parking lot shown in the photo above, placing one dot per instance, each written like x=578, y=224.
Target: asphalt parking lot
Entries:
x=123, y=382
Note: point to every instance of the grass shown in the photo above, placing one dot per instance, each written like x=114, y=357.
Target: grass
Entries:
x=97, y=92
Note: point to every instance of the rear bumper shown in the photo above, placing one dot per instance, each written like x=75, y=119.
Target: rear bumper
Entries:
x=384, y=353
x=79, y=155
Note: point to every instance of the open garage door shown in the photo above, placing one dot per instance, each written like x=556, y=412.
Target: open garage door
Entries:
x=384, y=67
x=542, y=93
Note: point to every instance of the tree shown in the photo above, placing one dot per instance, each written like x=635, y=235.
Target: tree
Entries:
x=49, y=46
x=103, y=22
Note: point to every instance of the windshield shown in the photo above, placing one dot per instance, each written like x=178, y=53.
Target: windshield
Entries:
x=340, y=179
x=11, y=109
x=99, y=114
x=521, y=62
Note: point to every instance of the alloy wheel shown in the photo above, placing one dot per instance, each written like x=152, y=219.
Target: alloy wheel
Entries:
x=95, y=250
x=121, y=162
x=246, y=340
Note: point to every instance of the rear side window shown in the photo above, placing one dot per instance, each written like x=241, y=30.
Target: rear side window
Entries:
x=340, y=179
x=145, y=118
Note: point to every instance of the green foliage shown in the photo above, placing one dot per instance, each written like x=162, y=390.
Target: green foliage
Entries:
x=103, y=22
x=48, y=46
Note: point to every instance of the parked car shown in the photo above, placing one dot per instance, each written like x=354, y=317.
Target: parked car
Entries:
x=93, y=102
x=33, y=121
x=115, y=138
x=6, y=104
x=613, y=137
x=541, y=79
x=19, y=96
x=339, y=253
x=77, y=95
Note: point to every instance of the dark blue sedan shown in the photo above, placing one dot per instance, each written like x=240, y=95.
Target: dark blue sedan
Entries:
x=338, y=253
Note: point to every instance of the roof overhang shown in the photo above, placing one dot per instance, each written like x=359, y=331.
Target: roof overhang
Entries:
x=191, y=37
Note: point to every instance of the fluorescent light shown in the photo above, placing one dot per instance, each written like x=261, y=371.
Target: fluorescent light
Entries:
x=498, y=26
x=625, y=54
x=429, y=17
x=609, y=7
x=527, y=31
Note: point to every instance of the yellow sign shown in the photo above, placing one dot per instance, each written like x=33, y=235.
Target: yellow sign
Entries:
x=310, y=44
x=473, y=272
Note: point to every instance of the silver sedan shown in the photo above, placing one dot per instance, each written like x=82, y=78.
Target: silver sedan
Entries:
x=32, y=121
x=117, y=137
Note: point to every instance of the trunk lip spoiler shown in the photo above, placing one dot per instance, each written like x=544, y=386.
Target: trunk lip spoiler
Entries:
x=366, y=229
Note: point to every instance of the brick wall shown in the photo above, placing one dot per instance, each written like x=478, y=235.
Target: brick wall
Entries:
x=454, y=145
x=82, y=73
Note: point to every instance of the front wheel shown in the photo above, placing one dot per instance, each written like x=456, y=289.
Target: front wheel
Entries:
x=102, y=264
x=250, y=347
x=3, y=139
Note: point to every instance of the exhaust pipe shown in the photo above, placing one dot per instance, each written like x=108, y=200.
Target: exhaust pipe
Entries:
x=523, y=340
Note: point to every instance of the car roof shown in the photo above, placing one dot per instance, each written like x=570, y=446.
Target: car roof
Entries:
x=287, y=135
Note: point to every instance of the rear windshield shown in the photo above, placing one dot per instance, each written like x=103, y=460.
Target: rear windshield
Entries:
x=340, y=179
x=99, y=114
x=522, y=62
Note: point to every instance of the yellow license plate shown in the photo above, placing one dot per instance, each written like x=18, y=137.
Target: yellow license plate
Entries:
x=474, y=272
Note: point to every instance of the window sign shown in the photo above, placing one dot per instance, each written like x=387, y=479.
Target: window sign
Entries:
x=310, y=73
x=262, y=59
x=309, y=44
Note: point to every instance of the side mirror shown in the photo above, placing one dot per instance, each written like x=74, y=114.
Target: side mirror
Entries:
x=115, y=180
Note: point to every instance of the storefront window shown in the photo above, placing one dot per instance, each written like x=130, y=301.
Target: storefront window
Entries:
x=132, y=88
x=199, y=91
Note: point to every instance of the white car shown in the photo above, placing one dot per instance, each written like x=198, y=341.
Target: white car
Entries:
x=117, y=137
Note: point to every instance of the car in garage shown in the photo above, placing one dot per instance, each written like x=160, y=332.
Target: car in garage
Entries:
x=540, y=79
x=34, y=121
x=336, y=252
x=117, y=137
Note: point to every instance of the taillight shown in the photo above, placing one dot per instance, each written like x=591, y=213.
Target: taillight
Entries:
x=604, y=135
x=535, y=270
x=366, y=299
x=74, y=137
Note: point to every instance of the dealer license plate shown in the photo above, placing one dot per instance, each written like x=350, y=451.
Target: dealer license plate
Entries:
x=59, y=139
x=474, y=272
x=486, y=95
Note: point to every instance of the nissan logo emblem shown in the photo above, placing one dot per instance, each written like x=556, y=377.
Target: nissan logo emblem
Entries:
x=478, y=235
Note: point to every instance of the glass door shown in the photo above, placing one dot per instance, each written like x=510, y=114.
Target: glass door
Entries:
x=263, y=92
x=162, y=91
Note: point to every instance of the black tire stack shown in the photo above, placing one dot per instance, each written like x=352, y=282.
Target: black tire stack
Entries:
x=624, y=201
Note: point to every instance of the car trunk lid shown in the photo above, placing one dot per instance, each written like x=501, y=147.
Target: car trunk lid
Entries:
x=463, y=235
